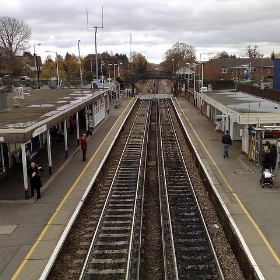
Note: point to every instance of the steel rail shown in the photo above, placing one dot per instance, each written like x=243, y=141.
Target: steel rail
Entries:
x=175, y=268
x=159, y=171
x=131, y=146
x=143, y=152
x=181, y=159
x=143, y=195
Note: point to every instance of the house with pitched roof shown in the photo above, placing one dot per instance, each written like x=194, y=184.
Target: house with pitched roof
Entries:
x=102, y=59
x=254, y=69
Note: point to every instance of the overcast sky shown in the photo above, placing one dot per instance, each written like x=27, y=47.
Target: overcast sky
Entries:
x=149, y=27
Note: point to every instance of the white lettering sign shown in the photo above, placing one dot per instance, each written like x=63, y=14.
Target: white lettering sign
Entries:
x=39, y=130
x=234, y=118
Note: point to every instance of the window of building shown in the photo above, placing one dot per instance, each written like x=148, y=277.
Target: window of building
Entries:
x=96, y=107
x=223, y=70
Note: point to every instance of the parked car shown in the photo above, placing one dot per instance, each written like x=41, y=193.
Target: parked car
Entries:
x=203, y=89
x=25, y=78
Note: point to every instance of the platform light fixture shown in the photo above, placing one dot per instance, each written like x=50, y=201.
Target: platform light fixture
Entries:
x=80, y=64
x=36, y=65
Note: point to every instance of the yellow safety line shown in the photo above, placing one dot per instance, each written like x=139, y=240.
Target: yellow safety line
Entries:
x=62, y=203
x=234, y=194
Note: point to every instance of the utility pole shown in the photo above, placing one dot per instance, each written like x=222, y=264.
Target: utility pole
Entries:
x=95, y=42
x=80, y=62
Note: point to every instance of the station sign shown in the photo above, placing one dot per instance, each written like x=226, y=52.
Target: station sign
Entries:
x=234, y=118
x=272, y=133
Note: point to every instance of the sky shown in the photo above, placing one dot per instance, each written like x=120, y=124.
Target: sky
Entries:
x=149, y=27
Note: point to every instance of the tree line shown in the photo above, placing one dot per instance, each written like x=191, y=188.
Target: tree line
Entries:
x=14, y=41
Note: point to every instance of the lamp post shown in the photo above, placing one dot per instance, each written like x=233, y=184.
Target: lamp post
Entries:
x=194, y=92
x=173, y=66
x=237, y=76
x=115, y=73
x=109, y=77
x=189, y=66
x=110, y=97
x=57, y=72
x=202, y=65
x=119, y=63
x=95, y=43
x=36, y=66
x=102, y=77
x=96, y=59
x=236, y=69
x=80, y=63
x=194, y=68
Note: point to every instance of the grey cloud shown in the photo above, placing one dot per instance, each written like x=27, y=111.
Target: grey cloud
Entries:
x=208, y=25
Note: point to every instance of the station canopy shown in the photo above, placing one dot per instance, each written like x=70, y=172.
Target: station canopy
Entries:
x=184, y=70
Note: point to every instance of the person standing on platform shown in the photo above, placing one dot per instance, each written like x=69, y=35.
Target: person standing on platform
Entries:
x=273, y=157
x=226, y=140
x=35, y=180
x=84, y=146
x=266, y=164
x=72, y=125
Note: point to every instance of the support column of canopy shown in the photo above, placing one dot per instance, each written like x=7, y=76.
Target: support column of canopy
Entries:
x=49, y=151
x=65, y=138
x=78, y=128
x=24, y=169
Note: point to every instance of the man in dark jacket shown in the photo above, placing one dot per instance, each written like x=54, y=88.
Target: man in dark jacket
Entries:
x=226, y=140
x=84, y=146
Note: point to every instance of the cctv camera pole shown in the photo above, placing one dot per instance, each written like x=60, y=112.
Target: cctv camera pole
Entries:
x=36, y=65
x=38, y=73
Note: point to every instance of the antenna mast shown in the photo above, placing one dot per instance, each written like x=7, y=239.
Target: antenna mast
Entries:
x=95, y=27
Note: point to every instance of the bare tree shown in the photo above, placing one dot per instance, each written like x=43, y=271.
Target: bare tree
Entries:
x=224, y=54
x=274, y=55
x=178, y=56
x=252, y=52
x=14, y=36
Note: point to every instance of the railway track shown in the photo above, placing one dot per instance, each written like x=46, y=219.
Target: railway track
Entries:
x=110, y=251
x=192, y=250
x=147, y=223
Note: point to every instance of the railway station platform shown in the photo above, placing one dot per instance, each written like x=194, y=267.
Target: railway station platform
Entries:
x=255, y=210
x=30, y=229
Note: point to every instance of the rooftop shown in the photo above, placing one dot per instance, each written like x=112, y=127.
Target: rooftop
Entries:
x=38, y=107
x=261, y=110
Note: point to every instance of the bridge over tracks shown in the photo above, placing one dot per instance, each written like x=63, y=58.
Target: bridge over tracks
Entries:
x=150, y=75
